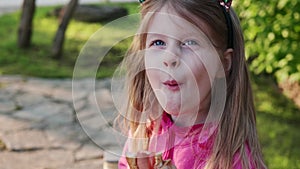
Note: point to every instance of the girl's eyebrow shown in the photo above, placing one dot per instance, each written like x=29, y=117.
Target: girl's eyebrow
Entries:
x=182, y=37
x=156, y=35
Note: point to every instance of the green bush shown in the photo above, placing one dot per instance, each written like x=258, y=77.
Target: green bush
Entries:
x=272, y=36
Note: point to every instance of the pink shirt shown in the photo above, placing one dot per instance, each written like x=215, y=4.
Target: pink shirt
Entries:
x=183, y=146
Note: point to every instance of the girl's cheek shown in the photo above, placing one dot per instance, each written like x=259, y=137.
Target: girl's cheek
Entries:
x=192, y=61
x=152, y=59
x=153, y=78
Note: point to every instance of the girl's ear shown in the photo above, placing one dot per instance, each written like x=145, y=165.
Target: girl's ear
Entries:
x=227, y=59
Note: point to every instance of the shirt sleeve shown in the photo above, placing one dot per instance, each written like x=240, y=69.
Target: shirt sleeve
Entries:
x=122, y=161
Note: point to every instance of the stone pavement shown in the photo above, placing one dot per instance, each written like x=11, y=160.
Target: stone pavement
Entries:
x=40, y=125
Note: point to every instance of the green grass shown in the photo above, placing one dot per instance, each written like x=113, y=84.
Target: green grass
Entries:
x=37, y=60
x=278, y=121
x=278, y=118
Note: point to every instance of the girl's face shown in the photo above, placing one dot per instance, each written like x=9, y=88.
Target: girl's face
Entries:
x=180, y=64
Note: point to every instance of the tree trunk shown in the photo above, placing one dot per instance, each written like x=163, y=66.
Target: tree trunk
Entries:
x=25, y=28
x=58, y=42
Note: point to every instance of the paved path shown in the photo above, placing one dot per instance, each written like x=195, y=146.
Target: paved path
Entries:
x=40, y=129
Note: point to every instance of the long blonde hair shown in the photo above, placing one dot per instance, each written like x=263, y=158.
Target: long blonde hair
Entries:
x=238, y=122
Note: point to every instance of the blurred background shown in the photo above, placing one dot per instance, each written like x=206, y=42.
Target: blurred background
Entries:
x=42, y=39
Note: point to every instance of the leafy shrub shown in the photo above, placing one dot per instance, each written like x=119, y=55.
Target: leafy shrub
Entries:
x=272, y=36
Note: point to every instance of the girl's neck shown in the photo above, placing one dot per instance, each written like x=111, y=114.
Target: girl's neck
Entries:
x=188, y=120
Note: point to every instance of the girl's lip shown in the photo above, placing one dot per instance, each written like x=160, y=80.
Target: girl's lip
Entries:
x=170, y=82
x=172, y=85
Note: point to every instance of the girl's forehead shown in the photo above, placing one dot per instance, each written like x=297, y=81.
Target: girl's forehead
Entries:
x=168, y=23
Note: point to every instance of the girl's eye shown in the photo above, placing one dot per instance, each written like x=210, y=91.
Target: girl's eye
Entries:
x=158, y=43
x=189, y=43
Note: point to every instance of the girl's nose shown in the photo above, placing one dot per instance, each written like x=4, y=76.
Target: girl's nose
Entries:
x=171, y=58
x=171, y=62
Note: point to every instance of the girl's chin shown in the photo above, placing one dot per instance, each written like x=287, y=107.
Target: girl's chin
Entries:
x=172, y=111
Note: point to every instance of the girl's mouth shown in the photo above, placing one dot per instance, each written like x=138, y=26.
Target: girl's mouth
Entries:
x=172, y=85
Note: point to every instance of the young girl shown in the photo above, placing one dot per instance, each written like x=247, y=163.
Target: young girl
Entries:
x=189, y=102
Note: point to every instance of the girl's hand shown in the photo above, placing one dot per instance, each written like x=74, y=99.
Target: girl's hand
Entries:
x=141, y=160
x=159, y=163
x=147, y=160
